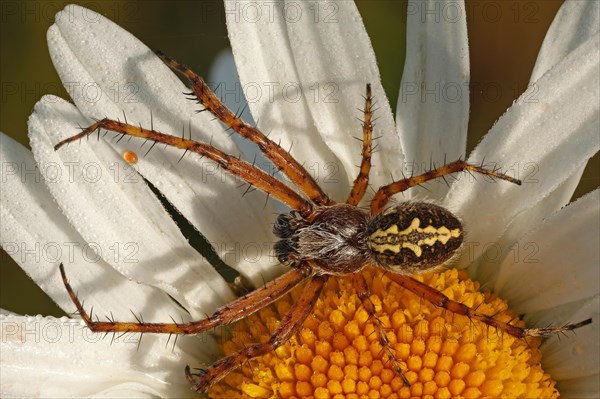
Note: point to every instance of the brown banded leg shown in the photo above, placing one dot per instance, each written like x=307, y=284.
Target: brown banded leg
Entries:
x=359, y=187
x=240, y=308
x=236, y=167
x=290, y=324
x=282, y=159
x=362, y=290
x=438, y=299
x=384, y=194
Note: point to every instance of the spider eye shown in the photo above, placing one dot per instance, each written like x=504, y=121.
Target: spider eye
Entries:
x=282, y=228
x=414, y=237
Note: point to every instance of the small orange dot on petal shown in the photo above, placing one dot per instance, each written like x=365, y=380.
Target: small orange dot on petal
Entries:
x=130, y=157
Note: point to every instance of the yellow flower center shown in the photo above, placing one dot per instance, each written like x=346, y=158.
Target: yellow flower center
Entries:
x=337, y=353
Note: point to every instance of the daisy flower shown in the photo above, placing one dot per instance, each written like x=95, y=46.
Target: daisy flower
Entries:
x=122, y=251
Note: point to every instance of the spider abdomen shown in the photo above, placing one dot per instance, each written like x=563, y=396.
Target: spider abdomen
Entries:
x=413, y=237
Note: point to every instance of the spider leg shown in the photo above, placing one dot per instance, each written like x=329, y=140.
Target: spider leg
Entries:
x=384, y=194
x=364, y=294
x=282, y=159
x=359, y=187
x=437, y=298
x=244, y=170
x=238, y=309
x=290, y=324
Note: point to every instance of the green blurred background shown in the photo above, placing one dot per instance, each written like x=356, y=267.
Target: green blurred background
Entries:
x=504, y=38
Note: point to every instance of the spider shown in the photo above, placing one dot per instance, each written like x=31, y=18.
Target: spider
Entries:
x=319, y=238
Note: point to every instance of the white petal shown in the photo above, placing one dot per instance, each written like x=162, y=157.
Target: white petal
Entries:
x=543, y=140
x=587, y=387
x=109, y=72
x=433, y=106
x=557, y=263
x=323, y=50
x=575, y=23
x=223, y=71
x=48, y=357
x=38, y=237
x=115, y=212
x=577, y=356
x=486, y=270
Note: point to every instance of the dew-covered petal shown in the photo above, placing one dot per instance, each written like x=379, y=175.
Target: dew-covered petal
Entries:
x=577, y=355
x=579, y=358
x=49, y=357
x=572, y=360
x=544, y=138
x=486, y=270
x=223, y=70
x=574, y=24
x=433, y=105
x=305, y=67
x=587, y=387
x=38, y=237
x=108, y=72
x=115, y=212
x=557, y=315
x=557, y=263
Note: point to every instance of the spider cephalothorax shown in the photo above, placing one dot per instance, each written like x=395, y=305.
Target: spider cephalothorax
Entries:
x=318, y=237
x=335, y=239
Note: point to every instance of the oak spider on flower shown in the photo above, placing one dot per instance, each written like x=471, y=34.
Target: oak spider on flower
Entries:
x=319, y=238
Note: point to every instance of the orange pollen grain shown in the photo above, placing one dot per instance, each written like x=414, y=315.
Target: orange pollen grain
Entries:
x=130, y=157
x=336, y=354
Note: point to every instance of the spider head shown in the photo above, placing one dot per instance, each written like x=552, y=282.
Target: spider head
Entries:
x=414, y=237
